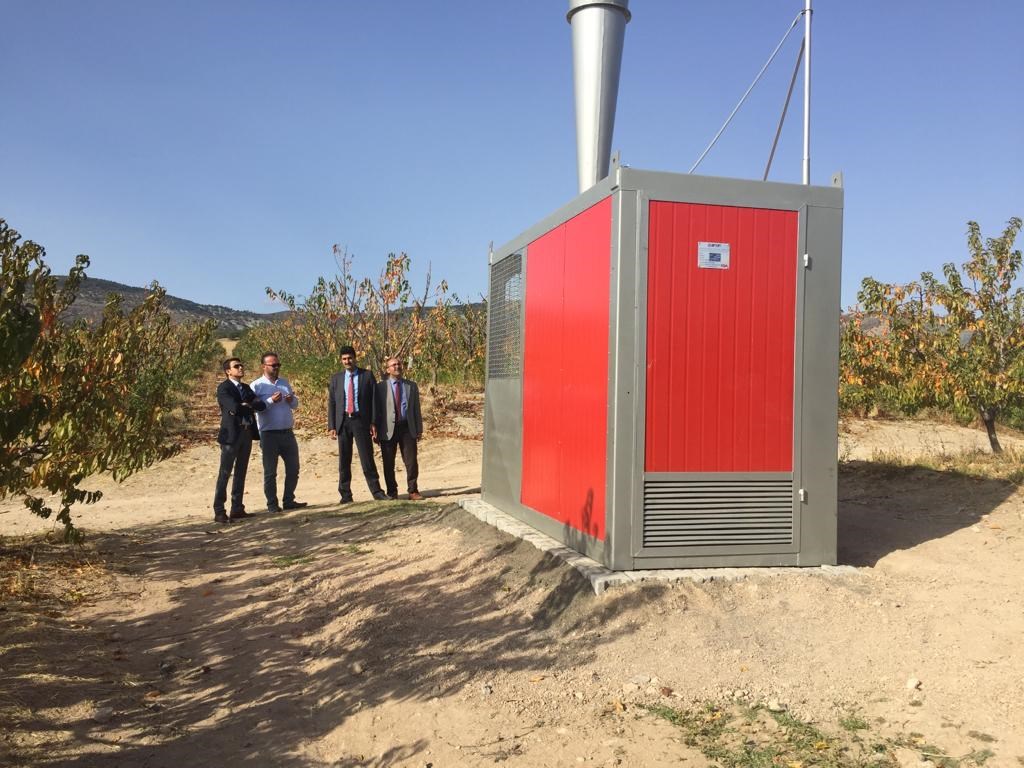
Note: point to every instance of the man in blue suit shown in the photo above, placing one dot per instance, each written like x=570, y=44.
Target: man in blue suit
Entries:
x=351, y=417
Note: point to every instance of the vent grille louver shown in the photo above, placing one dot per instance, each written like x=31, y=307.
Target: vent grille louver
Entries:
x=707, y=513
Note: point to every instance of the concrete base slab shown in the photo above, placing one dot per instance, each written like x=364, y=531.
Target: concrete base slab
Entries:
x=602, y=578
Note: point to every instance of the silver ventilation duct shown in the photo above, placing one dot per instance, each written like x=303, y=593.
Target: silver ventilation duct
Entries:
x=598, y=29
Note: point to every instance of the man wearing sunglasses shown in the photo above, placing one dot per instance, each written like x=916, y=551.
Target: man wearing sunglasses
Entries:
x=277, y=438
x=238, y=407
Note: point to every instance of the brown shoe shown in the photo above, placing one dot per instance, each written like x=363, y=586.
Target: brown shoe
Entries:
x=414, y=496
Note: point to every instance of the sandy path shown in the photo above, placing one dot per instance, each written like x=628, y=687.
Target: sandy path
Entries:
x=181, y=488
x=867, y=440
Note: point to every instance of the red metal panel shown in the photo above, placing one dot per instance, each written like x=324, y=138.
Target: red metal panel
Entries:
x=565, y=363
x=584, y=413
x=542, y=364
x=720, y=342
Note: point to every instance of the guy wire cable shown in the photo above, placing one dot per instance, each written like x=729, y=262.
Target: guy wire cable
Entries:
x=744, y=97
x=785, y=108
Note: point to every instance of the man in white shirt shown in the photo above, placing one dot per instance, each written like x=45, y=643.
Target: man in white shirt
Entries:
x=277, y=437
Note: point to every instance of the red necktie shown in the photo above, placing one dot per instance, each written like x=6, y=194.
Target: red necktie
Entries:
x=398, y=400
x=350, y=396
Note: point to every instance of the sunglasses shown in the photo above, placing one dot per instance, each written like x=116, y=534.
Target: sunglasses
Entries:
x=237, y=365
x=272, y=365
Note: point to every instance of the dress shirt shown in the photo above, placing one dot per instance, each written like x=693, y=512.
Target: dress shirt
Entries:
x=278, y=415
x=243, y=416
x=404, y=392
x=355, y=389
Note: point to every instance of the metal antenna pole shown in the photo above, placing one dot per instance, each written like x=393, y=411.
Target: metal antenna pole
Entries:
x=807, y=91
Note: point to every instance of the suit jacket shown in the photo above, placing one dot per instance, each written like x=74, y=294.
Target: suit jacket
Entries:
x=364, y=398
x=231, y=411
x=386, y=409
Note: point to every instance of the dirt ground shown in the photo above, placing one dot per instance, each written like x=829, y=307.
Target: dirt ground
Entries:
x=409, y=634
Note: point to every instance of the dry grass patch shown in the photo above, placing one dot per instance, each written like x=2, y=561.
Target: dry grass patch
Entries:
x=48, y=576
x=1008, y=465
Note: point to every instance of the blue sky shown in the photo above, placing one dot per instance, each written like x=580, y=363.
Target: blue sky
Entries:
x=221, y=147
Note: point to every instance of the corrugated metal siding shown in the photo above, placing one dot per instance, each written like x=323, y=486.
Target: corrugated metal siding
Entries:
x=565, y=387
x=720, y=342
x=708, y=513
x=542, y=367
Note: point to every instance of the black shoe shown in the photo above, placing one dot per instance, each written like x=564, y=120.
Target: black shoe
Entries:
x=393, y=496
x=240, y=515
x=380, y=496
x=295, y=504
x=345, y=500
x=275, y=508
x=221, y=519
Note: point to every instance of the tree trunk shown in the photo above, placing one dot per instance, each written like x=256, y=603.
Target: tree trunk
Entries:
x=988, y=415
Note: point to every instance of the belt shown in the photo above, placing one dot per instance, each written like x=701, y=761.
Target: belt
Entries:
x=264, y=431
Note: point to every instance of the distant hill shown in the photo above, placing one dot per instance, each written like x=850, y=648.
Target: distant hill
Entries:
x=871, y=324
x=93, y=293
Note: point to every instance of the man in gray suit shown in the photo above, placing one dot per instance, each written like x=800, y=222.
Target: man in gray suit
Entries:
x=399, y=427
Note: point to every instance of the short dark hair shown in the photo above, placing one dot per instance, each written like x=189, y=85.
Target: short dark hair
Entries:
x=348, y=349
x=227, y=363
x=265, y=355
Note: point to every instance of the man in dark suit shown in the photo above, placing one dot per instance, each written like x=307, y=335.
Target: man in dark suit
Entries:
x=350, y=417
x=238, y=406
x=399, y=426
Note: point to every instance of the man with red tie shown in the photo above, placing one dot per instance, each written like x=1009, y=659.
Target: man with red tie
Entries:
x=350, y=417
x=399, y=426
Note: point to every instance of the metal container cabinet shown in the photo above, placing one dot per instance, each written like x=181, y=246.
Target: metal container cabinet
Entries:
x=662, y=372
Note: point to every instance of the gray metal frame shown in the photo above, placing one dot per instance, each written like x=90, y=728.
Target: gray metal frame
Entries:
x=503, y=407
x=816, y=361
x=625, y=422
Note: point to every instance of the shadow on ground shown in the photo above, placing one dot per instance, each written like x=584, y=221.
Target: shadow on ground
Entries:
x=884, y=508
x=273, y=633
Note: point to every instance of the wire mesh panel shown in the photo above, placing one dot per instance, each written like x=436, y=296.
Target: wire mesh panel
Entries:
x=504, y=333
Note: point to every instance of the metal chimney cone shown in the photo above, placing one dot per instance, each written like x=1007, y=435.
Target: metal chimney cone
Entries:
x=598, y=29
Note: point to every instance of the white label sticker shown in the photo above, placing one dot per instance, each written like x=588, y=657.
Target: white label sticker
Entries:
x=713, y=255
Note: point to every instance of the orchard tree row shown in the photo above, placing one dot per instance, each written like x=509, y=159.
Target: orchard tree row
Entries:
x=954, y=344
x=440, y=338
x=79, y=399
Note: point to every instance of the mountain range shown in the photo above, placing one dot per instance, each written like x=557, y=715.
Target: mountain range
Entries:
x=93, y=293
